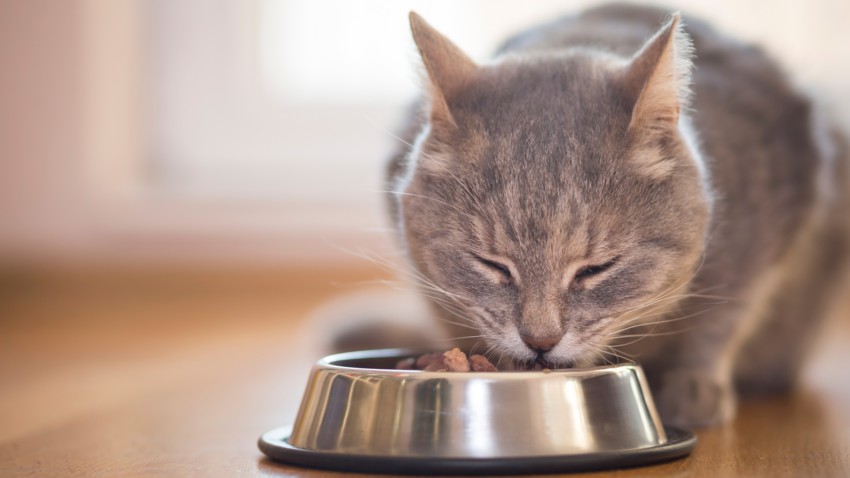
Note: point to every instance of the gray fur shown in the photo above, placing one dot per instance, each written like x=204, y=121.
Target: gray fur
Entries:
x=533, y=161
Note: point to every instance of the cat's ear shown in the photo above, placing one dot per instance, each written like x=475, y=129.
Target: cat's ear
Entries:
x=449, y=69
x=659, y=79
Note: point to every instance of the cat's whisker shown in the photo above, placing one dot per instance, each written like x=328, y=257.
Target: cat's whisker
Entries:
x=659, y=304
x=429, y=198
x=385, y=130
x=664, y=321
x=437, y=298
x=664, y=296
x=656, y=300
x=374, y=259
x=641, y=316
x=638, y=320
x=491, y=350
x=465, y=337
x=444, y=292
x=655, y=312
x=443, y=301
x=609, y=350
x=463, y=185
x=609, y=357
x=671, y=290
x=622, y=327
x=426, y=288
x=410, y=274
x=450, y=306
x=499, y=362
x=468, y=322
x=620, y=354
x=477, y=342
x=460, y=315
x=650, y=334
x=465, y=326
x=424, y=281
x=601, y=352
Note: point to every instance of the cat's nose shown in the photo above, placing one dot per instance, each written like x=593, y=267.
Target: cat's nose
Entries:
x=541, y=343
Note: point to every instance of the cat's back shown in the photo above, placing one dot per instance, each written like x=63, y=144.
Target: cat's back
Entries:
x=739, y=74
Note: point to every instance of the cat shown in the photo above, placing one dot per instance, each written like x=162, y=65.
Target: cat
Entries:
x=624, y=183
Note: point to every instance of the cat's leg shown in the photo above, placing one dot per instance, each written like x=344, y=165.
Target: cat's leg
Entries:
x=758, y=339
x=691, y=370
x=689, y=354
x=816, y=277
x=771, y=360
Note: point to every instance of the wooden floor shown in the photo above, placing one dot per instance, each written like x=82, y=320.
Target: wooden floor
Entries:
x=147, y=374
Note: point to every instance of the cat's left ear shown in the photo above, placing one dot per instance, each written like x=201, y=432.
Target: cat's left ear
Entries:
x=658, y=79
x=449, y=69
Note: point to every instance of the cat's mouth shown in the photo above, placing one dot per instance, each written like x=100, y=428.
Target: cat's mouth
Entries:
x=540, y=363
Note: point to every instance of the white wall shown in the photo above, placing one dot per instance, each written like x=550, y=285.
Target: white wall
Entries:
x=255, y=130
x=290, y=100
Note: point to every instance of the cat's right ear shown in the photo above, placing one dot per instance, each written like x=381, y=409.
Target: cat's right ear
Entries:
x=658, y=83
x=449, y=69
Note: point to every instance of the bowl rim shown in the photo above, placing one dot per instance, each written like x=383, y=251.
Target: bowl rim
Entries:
x=331, y=362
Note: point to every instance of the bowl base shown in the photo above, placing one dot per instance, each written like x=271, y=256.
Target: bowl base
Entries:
x=275, y=445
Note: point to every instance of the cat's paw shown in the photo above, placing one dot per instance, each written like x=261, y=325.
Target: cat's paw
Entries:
x=695, y=399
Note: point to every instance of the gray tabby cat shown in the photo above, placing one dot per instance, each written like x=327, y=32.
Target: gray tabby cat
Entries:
x=584, y=195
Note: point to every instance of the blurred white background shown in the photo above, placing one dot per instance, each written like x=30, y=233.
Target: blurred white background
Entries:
x=255, y=130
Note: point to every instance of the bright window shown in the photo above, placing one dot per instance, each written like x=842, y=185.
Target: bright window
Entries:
x=293, y=100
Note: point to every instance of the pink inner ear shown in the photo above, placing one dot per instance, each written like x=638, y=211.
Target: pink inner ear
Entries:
x=449, y=68
x=660, y=72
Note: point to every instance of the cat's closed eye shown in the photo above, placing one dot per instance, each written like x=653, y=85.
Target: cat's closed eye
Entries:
x=503, y=271
x=590, y=271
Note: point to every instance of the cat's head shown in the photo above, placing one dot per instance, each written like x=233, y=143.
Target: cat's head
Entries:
x=552, y=196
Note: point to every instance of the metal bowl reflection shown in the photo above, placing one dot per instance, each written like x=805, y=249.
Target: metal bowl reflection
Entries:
x=355, y=404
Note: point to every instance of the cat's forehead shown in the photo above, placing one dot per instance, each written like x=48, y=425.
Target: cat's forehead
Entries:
x=558, y=120
x=540, y=142
x=574, y=89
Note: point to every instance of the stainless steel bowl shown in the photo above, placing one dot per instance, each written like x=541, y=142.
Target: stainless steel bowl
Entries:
x=359, y=414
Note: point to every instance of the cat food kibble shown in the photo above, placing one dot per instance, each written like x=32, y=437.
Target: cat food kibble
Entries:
x=456, y=360
x=480, y=363
x=453, y=360
x=429, y=360
x=406, y=364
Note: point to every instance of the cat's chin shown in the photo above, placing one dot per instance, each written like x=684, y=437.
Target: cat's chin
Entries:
x=538, y=364
x=550, y=363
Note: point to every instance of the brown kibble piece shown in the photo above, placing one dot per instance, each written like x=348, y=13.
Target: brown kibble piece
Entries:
x=436, y=366
x=427, y=359
x=455, y=360
x=480, y=363
x=406, y=364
